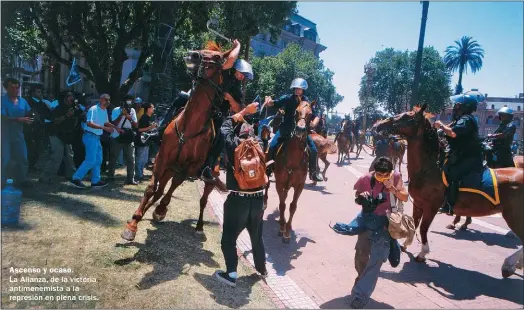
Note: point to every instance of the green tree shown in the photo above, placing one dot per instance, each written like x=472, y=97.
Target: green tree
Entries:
x=391, y=83
x=275, y=73
x=98, y=31
x=466, y=52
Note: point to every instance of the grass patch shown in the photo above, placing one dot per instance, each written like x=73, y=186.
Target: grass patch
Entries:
x=167, y=266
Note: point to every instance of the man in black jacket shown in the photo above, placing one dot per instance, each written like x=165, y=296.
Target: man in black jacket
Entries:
x=242, y=209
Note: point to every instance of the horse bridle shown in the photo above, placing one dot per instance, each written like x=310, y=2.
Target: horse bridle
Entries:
x=297, y=119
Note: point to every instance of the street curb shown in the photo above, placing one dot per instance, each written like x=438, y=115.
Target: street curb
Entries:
x=282, y=290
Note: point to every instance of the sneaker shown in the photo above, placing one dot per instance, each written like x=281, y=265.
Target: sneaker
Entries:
x=77, y=183
x=223, y=277
x=99, y=184
x=134, y=182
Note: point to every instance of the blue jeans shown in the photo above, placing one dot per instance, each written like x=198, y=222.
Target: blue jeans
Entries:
x=93, y=160
x=142, y=156
x=14, y=157
x=274, y=143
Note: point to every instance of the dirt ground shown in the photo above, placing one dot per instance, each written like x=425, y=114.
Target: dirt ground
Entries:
x=167, y=266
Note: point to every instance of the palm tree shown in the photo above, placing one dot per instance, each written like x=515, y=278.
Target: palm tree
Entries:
x=466, y=51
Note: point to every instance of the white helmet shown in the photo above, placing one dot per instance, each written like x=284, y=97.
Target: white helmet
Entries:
x=505, y=110
x=299, y=83
x=245, y=68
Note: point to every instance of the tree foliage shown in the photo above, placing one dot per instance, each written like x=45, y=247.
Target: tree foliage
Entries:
x=273, y=76
x=466, y=52
x=390, y=85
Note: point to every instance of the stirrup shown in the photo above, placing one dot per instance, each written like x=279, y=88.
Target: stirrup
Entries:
x=446, y=209
x=207, y=179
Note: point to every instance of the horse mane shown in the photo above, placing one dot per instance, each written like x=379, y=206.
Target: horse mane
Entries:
x=432, y=145
x=212, y=46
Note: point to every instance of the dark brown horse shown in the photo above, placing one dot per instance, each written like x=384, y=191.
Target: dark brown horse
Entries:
x=186, y=140
x=291, y=165
x=343, y=142
x=359, y=140
x=519, y=163
x=427, y=188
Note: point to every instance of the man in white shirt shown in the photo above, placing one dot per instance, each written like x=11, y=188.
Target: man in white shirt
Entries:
x=124, y=118
x=96, y=123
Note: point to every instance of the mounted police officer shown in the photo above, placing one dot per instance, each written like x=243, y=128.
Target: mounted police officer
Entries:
x=464, y=154
x=503, y=138
x=290, y=103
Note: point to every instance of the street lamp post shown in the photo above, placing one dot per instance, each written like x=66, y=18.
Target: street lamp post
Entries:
x=369, y=70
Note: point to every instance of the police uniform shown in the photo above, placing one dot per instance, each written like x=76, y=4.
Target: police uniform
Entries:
x=502, y=145
x=290, y=103
x=464, y=154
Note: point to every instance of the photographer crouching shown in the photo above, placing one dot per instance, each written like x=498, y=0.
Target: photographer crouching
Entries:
x=374, y=245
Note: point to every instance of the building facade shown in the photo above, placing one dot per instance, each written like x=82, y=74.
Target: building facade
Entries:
x=297, y=29
x=486, y=114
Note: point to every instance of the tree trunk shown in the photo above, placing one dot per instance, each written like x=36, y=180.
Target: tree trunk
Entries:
x=459, y=84
x=161, y=91
x=418, y=63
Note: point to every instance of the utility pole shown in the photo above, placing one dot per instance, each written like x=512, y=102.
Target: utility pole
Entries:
x=418, y=63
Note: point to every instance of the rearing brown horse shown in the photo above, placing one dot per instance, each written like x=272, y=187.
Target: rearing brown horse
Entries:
x=186, y=140
x=291, y=164
x=428, y=191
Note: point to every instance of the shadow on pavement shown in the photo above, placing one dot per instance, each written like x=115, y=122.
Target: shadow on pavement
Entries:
x=456, y=283
x=488, y=238
x=343, y=303
x=282, y=254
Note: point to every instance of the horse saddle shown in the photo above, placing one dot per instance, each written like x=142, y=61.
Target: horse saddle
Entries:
x=483, y=183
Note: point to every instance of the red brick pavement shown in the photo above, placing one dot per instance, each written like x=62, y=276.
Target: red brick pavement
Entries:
x=316, y=268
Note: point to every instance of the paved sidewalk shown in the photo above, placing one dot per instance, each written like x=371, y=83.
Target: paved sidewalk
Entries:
x=316, y=269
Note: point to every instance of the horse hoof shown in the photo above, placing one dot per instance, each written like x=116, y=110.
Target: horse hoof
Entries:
x=506, y=274
x=419, y=259
x=285, y=240
x=450, y=226
x=157, y=217
x=128, y=234
x=463, y=227
x=403, y=248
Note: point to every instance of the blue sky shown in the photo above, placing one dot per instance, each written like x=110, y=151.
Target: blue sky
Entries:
x=354, y=31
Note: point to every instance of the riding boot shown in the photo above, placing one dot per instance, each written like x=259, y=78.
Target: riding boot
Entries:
x=452, y=194
x=314, y=175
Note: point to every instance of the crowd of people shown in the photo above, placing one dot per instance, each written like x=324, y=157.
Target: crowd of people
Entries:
x=70, y=137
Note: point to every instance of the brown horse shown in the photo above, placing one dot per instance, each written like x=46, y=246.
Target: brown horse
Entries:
x=519, y=163
x=186, y=140
x=359, y=141
x=291, y=165
x=324, y=147
x=396, y=151
x=343, y=142
x=428, y=191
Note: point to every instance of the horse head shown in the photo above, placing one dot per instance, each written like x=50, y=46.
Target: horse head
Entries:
x=206, y=63
x=303, y=115
x=345, y=125
x=411, y=124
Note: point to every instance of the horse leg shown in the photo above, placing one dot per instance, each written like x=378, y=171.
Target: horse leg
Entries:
x=292, y=210
x=465, y=225
x=513, y=215
x=417, y=215
x=455, y=222
x=427, y=218
x=154, y=189
x=161, y=210
x=326, y=165
x=282, y=195
x=208, y=188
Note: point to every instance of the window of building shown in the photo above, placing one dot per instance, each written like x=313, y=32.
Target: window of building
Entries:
x=518, y=108
x=489, y=120
x=493, y=107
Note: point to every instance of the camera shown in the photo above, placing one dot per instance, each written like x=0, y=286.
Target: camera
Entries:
x=369, y=204
x=126, y=106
